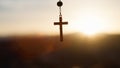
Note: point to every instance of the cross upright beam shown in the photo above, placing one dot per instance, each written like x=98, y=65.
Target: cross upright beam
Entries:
x=60, y=23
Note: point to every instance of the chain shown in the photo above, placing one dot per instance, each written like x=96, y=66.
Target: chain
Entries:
x=60, y=12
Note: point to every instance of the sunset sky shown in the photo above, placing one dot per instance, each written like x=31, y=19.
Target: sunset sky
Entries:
x=38, y=16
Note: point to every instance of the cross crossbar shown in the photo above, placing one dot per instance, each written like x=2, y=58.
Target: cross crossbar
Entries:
x=58, y=23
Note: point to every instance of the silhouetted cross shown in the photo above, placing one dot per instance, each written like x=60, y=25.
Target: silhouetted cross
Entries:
x=60, y=23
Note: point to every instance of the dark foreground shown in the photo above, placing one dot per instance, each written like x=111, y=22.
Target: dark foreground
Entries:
x=47, y=52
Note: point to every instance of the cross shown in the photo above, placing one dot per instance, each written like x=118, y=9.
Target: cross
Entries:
x=60, y=23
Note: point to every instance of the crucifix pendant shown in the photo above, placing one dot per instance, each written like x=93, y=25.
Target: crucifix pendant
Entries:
x=60, y=23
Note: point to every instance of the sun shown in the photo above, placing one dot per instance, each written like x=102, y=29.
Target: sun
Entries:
x=89, y=25
x=90, y=29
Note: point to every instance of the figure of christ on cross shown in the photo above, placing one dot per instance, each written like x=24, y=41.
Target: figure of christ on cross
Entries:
x=60, y=23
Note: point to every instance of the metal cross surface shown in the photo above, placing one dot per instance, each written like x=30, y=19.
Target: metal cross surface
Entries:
x=60, y=23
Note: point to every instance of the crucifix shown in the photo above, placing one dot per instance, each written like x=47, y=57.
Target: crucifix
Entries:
x=60, y=23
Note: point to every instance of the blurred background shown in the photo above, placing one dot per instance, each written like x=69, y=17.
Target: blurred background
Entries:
x=28, y=38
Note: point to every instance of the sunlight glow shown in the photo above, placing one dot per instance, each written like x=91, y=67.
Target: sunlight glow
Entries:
x=90, y=28
x=89, y=25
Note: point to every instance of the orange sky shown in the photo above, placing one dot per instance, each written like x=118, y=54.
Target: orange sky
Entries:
x=37, y=16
